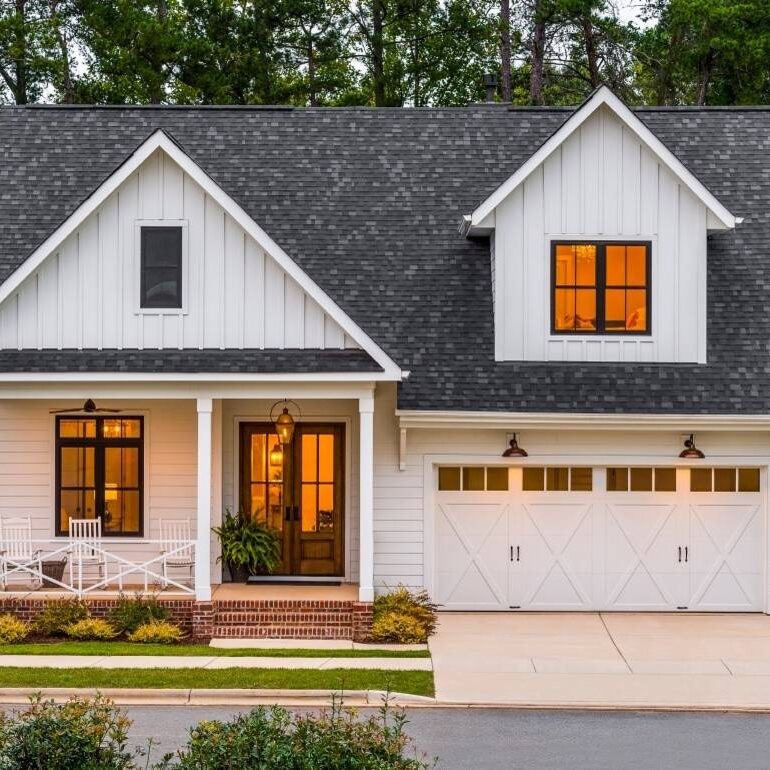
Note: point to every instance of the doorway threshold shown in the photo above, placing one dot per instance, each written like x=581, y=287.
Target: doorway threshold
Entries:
x=294, y=580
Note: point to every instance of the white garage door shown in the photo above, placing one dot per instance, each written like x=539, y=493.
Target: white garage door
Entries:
x=557, y=538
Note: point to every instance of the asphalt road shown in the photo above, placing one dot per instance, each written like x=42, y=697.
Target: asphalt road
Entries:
x=479, y=739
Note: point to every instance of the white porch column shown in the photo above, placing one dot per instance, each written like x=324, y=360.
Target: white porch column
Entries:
x=203, y=544
x=366, y=499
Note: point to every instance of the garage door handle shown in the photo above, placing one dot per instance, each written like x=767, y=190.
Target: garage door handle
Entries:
x=511, y=553
x=518, y=553
x=680, y=554
x=686, y=553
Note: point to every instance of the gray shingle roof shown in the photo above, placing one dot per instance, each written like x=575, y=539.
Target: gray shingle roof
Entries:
x=368, y=202
x=188, y=361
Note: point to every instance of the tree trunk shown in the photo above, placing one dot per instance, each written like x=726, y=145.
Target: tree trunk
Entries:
x=378, y=53
x=311, y=83
x=68, y=86
x=704, y=70
x=505, y=48
x=538, y=55
x=591, y=53
x=20, y=62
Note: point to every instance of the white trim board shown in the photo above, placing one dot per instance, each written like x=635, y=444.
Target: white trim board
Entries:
x=160, y=140
x=481, y=221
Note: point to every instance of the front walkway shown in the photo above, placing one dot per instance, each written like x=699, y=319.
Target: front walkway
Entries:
x=603, y=660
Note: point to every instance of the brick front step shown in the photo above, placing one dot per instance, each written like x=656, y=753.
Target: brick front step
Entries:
x=291, y=619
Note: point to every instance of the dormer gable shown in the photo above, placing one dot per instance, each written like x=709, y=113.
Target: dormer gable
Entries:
x=599, y=246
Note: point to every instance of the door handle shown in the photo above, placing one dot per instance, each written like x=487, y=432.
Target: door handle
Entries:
x=680, y=554
x=686, y=554
x=288, y=513
x=296, y=513
x=511, y=553
x=518, y=553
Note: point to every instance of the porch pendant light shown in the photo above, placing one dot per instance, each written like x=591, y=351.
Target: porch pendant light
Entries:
x=514, y=450
x=690, y=451
x=284, y=425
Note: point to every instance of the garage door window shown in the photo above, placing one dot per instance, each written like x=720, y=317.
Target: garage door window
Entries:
x=555, y=479
x=724, y=480
x=471, y=478
x=641, y=479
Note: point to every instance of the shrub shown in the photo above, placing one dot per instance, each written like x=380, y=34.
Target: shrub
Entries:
x=403, y=617
x=91, y=629
x=58, y=615
x=157, y=632
x=273, y=738
x=79, y=734
x=132, y=612
x=12, y=629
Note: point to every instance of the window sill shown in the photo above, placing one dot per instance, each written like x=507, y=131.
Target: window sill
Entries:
x=156, y=311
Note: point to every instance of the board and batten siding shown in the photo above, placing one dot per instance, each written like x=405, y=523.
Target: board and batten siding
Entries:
x=85, y=295
x=602, y=183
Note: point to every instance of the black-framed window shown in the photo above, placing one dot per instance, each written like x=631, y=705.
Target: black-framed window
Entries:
x=100, y=473
x=601, y=287
x=161, y=267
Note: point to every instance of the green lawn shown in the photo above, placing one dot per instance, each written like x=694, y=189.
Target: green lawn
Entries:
x=415, y=682
x=131, y=648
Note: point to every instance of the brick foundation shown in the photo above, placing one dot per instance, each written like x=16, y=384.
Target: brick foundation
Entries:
x=242, y=619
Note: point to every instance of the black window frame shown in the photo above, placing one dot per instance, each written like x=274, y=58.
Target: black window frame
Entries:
x=601, y=287
x=99, y=443
x=144, y=304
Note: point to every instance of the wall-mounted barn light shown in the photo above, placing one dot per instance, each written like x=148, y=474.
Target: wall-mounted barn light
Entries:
x=514, y=450
x=690, y=451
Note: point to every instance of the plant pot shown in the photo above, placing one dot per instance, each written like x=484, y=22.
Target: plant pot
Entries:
x=238, y=574
x=53, y=568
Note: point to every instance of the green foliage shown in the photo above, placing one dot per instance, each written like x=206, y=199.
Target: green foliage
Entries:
x=12, y=630
x=91, y=629
x=58, y=615
x=77, y=735
x=157, y=632
x=276, y=738
x=247, y=544
x=403, y=617
x=132, y=612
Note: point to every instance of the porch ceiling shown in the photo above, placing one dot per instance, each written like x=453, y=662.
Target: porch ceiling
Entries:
x=209, y=361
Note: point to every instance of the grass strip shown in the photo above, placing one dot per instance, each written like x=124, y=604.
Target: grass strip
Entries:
x=132, y=648
x=414, y=682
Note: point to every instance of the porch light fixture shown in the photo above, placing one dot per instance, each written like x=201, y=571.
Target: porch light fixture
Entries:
x=284, y=424
x=690, y=451
x=514, y=450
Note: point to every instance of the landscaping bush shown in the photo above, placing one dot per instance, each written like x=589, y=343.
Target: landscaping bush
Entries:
x=134, y=611
x=277, y=739
x=157, y=632
x=59, y=615
x=403, y=617
x=77, y=735
x=12, y=629
x=91, y=629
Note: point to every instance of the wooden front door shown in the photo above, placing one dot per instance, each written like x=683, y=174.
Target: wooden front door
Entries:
x=299, y=493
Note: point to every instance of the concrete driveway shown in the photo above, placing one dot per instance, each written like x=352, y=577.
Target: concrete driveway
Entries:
x=599, y=660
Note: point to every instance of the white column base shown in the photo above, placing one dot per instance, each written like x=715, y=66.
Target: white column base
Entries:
x=365, y=594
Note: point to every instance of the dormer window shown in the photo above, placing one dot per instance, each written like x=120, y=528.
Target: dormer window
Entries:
x=161, y=267
x=600, y=287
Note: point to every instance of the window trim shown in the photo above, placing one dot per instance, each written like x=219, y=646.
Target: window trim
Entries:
x=99, y=443
x=601, y=288
x=183, y=309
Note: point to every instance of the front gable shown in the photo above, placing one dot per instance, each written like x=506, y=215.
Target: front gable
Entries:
x=81, y=288
x=602, y=180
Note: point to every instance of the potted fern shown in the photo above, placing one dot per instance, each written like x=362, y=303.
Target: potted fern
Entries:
x=247, y=547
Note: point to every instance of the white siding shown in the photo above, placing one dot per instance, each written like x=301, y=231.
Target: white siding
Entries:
x=27, y=465
x=601, y=183
x=404, y=499
x=86, y=294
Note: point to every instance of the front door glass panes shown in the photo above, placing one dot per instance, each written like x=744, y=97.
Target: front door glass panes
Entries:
x=266, y=482
x=317, y=482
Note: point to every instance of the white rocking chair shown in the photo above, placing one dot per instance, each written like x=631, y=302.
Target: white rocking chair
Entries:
x=17, y=551
x=86, y=550
x=176, y=547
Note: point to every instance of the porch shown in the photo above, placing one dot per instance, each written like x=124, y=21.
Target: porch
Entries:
x=195, y=458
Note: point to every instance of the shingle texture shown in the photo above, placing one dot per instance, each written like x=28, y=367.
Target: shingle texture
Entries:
x=368, y=203
x=188, y=361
